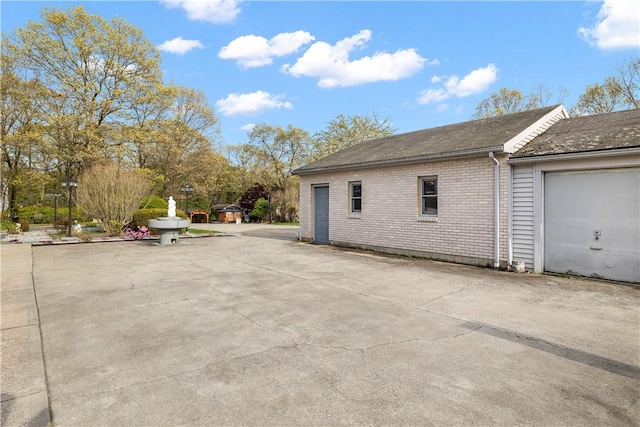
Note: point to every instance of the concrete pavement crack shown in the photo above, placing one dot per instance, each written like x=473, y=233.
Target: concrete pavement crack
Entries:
x=384, y=344
x=442, y=296
x=353, y=291
x=419, y=307
x=248, y=318
x=361, y=350
x=294, y=345
x=191, y=371
x=44, y=390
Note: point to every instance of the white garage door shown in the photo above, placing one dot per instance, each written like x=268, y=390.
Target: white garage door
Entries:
x=592, y=223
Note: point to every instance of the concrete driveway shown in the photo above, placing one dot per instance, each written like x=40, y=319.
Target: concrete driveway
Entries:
x=243, y=330
x=271, y=231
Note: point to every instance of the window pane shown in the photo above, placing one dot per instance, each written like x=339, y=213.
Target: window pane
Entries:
x=429, y=187
x=430, y=205
x=356, y=190
x=356, y=205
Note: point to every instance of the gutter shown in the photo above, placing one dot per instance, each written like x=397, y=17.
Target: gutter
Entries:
x=575, y=156
x=496, y=211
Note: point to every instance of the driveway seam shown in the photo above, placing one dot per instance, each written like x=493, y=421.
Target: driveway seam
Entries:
x=42, y=352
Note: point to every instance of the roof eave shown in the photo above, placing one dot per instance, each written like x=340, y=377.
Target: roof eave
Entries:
x=401, y=162
x=575, y=156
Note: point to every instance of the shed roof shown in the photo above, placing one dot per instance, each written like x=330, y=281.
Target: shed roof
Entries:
x=226, y=207
x=597, y=132
x=456, y=140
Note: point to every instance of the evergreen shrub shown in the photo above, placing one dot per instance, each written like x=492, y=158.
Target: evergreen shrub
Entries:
x=154, y=202
x=141, y=217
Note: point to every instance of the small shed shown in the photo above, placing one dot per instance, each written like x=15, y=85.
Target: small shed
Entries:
x=228, y=213
x=199, y=216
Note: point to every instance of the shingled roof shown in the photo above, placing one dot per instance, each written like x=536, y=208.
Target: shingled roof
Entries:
x=475, y=137
x=606, y=131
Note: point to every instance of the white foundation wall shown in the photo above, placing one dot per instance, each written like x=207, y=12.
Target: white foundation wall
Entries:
x=391, y=206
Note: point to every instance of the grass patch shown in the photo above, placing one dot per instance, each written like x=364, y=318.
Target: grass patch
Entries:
x=197, y=231
x=292, y=224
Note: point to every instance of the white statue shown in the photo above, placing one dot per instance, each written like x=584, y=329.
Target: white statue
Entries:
x=172, y=207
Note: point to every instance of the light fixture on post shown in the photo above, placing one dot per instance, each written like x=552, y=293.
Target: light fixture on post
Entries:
x=186, y=189
x=68, y=182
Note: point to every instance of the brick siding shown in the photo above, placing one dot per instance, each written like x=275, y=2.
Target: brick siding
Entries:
x=391, y=205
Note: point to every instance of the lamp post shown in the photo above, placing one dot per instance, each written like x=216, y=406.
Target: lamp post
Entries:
x=186, y=189
x=55, y=207
x=68, y=182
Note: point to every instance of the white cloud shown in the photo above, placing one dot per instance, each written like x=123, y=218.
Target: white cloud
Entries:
x=433, y=95
x=330, y=63
x=476, y=81
x=617, y=27
x=248, y=127
x=249, y=104
x=255, y=51
x=214, y=11
x=180, y=46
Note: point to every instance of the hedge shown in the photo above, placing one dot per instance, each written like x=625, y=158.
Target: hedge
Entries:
x=142, y=216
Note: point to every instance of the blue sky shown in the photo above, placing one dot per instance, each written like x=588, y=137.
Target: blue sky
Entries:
x=419, y=63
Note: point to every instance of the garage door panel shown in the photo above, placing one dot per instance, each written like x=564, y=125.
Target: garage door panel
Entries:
x=580, y=204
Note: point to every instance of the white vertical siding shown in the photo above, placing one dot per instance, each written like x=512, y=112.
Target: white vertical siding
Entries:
x=522, y=219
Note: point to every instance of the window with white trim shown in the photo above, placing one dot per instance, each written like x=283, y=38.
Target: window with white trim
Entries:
x=429, y=196
x=355, y=195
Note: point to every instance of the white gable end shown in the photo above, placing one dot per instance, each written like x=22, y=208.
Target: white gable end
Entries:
x=535, y=129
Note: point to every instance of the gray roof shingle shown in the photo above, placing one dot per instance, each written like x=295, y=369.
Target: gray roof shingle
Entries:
x=473, y=137
x=606, y=131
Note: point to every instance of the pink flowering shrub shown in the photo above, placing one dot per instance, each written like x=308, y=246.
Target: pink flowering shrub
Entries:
x=136, y=233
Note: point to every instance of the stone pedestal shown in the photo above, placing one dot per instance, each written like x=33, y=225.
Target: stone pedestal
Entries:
x=169, y=228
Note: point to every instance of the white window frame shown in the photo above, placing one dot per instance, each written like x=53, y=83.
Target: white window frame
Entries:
x=352, y=198
x=427, y=216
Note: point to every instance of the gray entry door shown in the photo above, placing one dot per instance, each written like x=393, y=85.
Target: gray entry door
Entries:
x=321, y=214
x=591, y=224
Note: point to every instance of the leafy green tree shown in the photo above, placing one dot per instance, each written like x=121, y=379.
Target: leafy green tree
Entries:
x=145, y=125
x=94, y=71
x=20, y=128
x=343, y=132
x=620, y=91
x=272, y=153
x=183, y=141
x=599, y=98
x=508, y=101
x=261, y=209
x=78, y=89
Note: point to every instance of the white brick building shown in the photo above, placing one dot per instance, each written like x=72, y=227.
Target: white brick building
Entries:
x=534, y=188
x=441, y=193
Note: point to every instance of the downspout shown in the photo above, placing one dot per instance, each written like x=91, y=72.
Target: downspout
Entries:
x=510, y=216
x=496, y=212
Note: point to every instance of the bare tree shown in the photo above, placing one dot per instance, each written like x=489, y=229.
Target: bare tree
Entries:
x=111, y=195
